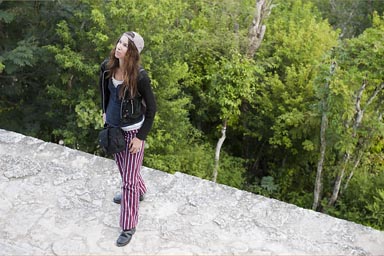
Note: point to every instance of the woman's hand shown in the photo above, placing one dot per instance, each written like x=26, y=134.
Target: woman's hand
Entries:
x=104, y=118
x=135, y=145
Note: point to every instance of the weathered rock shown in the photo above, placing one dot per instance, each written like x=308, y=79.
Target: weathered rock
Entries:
x=58, y=201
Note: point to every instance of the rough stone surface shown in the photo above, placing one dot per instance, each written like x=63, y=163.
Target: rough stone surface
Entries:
x=58, y=201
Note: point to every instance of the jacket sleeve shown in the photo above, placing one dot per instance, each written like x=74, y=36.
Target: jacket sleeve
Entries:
x=104, y=93
x=145, y=89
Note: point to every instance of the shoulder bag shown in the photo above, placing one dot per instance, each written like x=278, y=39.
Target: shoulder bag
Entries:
x=111, y=140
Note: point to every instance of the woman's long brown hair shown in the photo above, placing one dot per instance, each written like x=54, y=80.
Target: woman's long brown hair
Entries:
x=131, y=69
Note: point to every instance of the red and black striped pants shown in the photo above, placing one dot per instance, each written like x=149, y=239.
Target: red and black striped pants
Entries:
x=133, y=186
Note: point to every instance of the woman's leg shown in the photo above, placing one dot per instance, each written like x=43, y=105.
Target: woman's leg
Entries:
x=132, y=183
x=142, y=187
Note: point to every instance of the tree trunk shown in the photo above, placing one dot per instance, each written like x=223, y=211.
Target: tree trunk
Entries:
x=358, y=158
x=323, y=144
x=359, y=112
x=218, y=149
x=339, y=178
x=358, y=118
x=256, y=35
x=352, y=172
x=257, y=30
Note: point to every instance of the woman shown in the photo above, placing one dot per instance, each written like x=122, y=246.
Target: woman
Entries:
x=128, y=102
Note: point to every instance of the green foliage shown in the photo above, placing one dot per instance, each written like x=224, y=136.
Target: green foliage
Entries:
x=266, y=187
x=363, y=201
x=24, y=66
x=350, y=16
x=25, y=54
x=268, y=184
x=355, y=74
x=88, y=113
x=231, y=171
x=376, y=209
x=282, y=121
x=230, y=83
x=196, y=160
x=6, y=17
x=291, y=63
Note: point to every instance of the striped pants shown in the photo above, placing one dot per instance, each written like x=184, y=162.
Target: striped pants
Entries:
x=132, y=183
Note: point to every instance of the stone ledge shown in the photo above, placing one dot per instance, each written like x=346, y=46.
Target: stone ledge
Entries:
x=58, y=201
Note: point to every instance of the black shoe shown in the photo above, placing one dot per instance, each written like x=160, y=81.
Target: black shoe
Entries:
x=117, y=198
x=125, y=237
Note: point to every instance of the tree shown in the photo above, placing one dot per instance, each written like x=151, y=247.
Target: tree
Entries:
x=360, y=71
x=323, y=141
x=281, y=123
x=350, y=16
x=256, y=35
x=25, y=65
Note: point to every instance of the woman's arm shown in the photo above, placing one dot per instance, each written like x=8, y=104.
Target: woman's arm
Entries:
x=145, y=89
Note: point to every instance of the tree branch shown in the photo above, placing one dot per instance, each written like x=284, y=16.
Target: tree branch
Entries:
x=257, y=30
x=359, y=111
x=323, y=142
x=218, y=149
x=358, y=121
x=373, y=96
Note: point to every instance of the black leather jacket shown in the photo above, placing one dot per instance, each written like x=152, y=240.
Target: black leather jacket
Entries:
x=132, y=108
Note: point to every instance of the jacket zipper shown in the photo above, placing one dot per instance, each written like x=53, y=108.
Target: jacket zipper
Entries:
x=103, y=89
x=131, y=106
x=121, y=108
x=121, y=105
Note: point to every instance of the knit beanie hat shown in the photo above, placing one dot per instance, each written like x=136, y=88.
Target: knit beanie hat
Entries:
x=136, y=39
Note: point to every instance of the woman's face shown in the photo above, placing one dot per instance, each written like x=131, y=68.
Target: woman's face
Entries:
x=121, y=47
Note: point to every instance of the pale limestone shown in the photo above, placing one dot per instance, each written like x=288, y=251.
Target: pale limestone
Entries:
x=58, y=201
